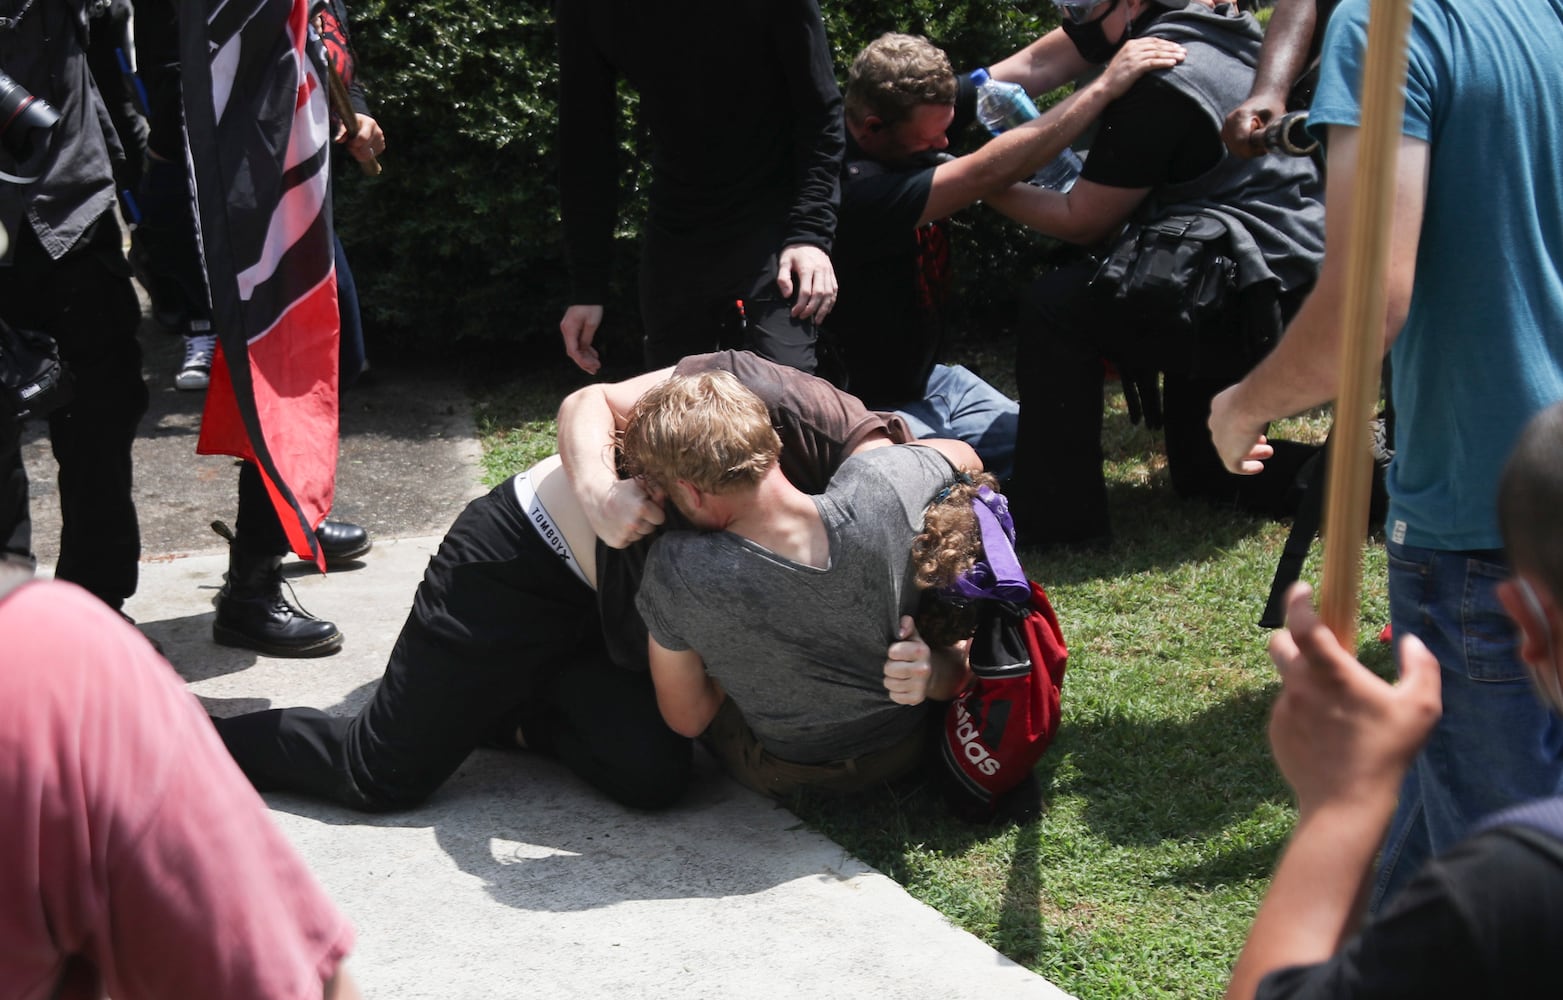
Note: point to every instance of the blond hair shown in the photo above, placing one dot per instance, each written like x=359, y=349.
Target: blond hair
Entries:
x=706, y=429
x=894, y=75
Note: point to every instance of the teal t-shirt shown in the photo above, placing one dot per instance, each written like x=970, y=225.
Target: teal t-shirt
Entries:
x=1482, y=347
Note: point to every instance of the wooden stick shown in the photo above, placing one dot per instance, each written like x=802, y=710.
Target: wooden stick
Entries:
x=1363, y=315
x=336, y=92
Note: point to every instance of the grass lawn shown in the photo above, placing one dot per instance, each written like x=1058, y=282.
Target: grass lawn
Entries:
x=1164, y=812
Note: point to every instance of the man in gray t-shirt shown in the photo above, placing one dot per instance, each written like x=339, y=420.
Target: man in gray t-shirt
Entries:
x=781, y=607
x=801, y=648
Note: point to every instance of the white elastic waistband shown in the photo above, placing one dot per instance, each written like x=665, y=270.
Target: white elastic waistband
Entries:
x=537, y=516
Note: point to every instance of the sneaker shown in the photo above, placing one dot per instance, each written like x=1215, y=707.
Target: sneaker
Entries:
x=200, y=342
x=1383, y=448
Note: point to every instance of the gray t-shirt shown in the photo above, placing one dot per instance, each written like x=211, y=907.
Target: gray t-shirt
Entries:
x=801, y=650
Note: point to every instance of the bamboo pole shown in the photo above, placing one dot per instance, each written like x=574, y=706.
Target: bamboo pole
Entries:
x=1362, y=315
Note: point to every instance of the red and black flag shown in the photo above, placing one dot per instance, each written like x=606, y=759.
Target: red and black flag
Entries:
x=257, y=121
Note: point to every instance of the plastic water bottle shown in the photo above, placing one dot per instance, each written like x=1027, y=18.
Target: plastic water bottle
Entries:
x=1061, y=174
x=1001, y=106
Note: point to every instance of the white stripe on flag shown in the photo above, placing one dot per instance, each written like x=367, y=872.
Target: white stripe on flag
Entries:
x=300, y=205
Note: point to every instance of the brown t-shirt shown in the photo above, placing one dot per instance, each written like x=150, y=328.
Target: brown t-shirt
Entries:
x=819, y=426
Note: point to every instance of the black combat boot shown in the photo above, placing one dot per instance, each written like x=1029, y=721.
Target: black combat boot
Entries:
x=253, y=614
x=342, y=542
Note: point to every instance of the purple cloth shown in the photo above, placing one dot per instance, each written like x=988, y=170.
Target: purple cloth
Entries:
x=998, y=576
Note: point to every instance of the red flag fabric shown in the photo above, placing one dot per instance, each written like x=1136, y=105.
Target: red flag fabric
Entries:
x=257, y=121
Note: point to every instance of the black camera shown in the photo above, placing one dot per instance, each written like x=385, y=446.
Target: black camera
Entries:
x=25, y=120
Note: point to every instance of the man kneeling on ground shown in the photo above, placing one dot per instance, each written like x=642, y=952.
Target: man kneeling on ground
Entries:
x=524, y=624
x=769, y=625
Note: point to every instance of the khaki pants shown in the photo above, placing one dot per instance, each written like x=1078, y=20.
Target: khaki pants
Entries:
x=732, y=742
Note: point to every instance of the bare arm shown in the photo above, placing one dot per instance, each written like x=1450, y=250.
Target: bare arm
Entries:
x=686, y=695
x=1085, y=215
x=1017, y=154
x=1049, y=62
x=1288, y=37
x=1343, y=738
x=589, y=419
x=1304, y=368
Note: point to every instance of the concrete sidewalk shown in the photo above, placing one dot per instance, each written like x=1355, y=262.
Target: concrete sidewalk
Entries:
x=515, y=879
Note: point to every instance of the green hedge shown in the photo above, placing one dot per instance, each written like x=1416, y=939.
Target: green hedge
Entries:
x=457, y=243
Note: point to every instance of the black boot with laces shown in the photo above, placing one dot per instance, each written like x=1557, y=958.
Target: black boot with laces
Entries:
x=252, y=612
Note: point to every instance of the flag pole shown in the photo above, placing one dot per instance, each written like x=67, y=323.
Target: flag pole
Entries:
x=1363, y=315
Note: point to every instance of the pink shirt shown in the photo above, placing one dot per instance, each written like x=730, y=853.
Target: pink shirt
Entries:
x=134, y=856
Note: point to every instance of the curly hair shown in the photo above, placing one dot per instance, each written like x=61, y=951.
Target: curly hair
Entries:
x=948, y=545
x=896, y=74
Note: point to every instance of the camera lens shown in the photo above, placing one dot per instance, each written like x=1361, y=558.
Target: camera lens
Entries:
x=24, y=119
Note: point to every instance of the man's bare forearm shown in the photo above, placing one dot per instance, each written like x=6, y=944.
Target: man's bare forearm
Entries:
x=1304, y=369
x=1050, y=61
x=588, y=425
x=1288, y=37
x=586, y=428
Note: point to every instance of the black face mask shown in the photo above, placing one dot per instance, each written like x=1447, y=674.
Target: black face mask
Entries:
x=1089, y=38
x=1091, y=41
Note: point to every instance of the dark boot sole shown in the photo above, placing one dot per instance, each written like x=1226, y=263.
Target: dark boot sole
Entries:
x=225, y=636
x=335, y=560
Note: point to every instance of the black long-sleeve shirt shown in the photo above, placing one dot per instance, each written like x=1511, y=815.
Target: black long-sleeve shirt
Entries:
x=45, y=54
x=741, y=103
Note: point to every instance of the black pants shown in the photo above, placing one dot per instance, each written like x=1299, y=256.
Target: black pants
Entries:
x=500, y=634
x=1058, y=492
x=85, y=301
x=688, y=295
x=168, y=233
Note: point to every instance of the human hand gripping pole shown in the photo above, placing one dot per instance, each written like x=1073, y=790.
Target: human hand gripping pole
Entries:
x=336, y=92
x=1343, y=739
x=1339, y=732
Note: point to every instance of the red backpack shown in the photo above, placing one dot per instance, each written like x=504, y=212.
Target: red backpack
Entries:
x=1000, y=725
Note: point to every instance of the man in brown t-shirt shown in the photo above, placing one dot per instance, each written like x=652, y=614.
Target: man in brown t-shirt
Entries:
x=524, y=629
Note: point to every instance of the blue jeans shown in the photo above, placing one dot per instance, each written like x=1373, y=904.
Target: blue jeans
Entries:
x=1496, y=745
x=351, y=358
x=957, y=404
